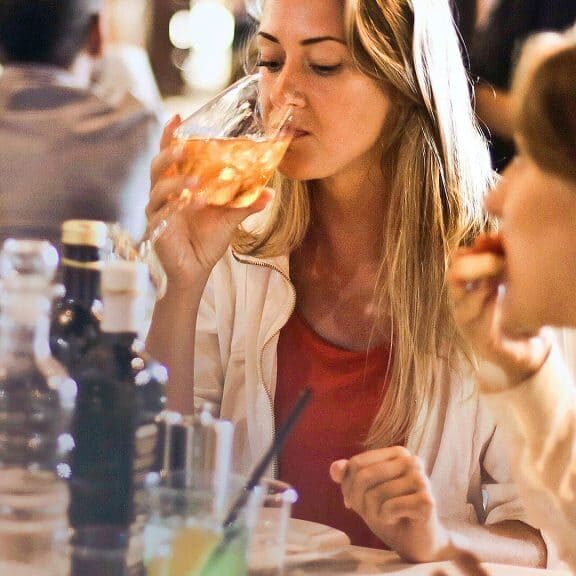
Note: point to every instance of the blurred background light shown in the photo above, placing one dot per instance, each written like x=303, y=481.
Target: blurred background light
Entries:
x=180, y=30
x=211, y=25
x=208, y=71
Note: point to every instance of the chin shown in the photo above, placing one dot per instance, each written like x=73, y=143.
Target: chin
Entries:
x=298, y=170
x=523, y=318
x=519, y=317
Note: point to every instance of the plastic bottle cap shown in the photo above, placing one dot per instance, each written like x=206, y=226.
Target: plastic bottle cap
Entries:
x=124, y=276
x=84, y=233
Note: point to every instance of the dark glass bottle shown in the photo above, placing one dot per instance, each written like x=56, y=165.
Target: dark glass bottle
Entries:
x=36, y=403
x=75, y=324
x=121, y=392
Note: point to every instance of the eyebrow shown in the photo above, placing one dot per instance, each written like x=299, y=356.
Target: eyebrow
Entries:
x=306, y=42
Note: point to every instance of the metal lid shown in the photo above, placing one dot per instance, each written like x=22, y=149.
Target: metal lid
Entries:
x=84, y=233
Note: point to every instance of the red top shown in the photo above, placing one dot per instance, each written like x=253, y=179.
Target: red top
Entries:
x=347, y=391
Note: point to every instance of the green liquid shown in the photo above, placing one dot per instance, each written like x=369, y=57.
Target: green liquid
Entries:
x=231, y=562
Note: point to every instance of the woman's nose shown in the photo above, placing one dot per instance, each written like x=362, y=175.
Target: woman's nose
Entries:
x=288, y=89
x=495, y=196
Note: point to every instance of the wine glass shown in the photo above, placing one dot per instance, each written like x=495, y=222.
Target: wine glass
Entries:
x=229, y=149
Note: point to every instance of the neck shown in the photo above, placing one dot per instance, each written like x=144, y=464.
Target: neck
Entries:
x=348, y=220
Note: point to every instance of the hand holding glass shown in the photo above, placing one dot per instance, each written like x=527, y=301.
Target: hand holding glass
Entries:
x=230, y=151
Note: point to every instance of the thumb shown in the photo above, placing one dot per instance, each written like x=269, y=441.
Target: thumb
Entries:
x=338, y=470
x=266, y=196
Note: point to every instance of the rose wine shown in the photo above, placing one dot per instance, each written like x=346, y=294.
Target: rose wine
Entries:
x=229, y=170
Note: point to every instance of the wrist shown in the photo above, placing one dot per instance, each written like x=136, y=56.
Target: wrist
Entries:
x=448, y=545
x=498, y=377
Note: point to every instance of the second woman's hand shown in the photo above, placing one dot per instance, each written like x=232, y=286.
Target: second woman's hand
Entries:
x=198, y=234
x=477, y=306
x=389, y=489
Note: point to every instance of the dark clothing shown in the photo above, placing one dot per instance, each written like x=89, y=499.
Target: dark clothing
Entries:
x=465, y=14
x=495, y=48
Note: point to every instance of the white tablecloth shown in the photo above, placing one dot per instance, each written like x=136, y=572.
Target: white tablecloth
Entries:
x=354, y=560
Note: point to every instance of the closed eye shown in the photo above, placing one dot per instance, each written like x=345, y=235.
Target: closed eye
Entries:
x=270, y=65
x=326, y=70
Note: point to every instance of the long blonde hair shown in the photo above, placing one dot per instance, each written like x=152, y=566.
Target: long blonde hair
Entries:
x=439, y=170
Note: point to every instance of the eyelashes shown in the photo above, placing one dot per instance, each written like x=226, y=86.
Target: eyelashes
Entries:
x=319, y=69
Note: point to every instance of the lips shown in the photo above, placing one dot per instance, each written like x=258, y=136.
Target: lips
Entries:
x=297, y=133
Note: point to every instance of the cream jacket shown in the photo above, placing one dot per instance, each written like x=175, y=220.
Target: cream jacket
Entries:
x=539, y=417
x=246, y=303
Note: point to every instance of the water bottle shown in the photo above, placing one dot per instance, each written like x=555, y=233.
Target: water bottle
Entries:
x=37, y=400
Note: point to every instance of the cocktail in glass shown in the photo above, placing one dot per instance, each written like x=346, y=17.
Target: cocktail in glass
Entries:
x=185, y=526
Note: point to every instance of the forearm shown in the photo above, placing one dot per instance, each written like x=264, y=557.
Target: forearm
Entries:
x=509, y=542
x=171, y=340
x=540, y=413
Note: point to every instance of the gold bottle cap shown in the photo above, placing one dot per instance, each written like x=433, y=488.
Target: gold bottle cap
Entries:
x=84, y=233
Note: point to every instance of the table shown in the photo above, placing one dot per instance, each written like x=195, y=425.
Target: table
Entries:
x=354, y=560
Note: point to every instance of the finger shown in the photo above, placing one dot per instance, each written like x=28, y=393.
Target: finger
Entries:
x=418, y=506
x=386, y=478
x=370, y=457
x=168, y=132
x=358, y=482
x=168, y=190
x=475, y=266
x=470, y=305
x=411, y=482
x=338, y=470
x=163, y=161
x=462, y=292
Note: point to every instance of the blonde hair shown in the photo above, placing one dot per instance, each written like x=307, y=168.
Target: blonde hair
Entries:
x=439, y=171
x=544, y=96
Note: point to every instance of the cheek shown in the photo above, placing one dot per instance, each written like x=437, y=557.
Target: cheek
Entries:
x=541, y=279
x=524, y=289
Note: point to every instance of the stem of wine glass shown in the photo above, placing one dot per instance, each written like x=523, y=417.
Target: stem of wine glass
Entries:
x=162, y=220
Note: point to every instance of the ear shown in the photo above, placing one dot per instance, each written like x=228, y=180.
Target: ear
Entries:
x=95, y=43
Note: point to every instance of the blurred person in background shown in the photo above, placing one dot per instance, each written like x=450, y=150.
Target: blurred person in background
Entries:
x=529, y=281
x=340, y=285
x=493, y=54
x=124, y=65
x=64, y=151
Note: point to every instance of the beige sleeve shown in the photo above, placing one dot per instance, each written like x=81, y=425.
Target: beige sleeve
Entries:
x=539, y=417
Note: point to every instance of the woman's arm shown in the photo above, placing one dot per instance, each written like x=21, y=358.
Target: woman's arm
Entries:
x=195, y=239
x=532, y=395
x=171, y=340
x=508, y=542
x=539, y=416
x=390, y=490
